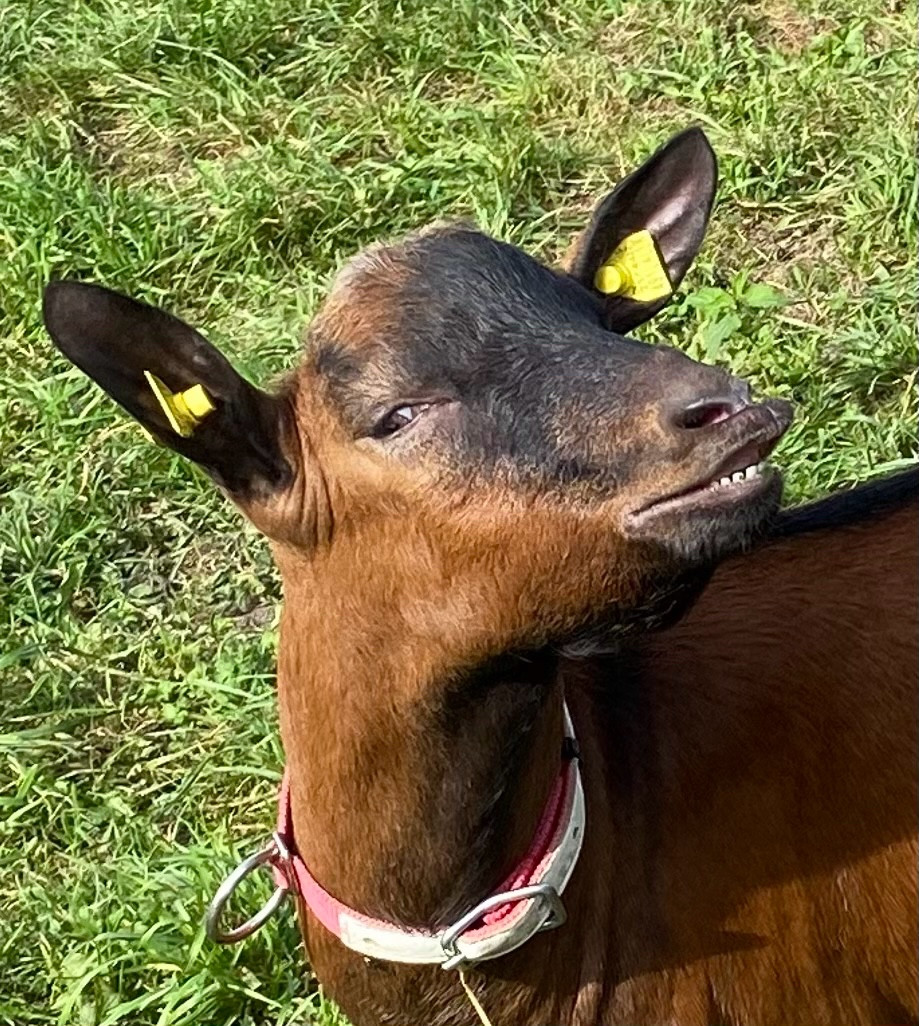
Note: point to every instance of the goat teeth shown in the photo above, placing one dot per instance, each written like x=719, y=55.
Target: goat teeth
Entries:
x=738, y=476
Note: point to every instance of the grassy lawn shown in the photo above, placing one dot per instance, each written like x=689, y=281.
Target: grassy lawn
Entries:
x=223, y=159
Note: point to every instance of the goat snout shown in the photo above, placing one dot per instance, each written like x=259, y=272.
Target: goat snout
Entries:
x=694, y=395
x=711, y=409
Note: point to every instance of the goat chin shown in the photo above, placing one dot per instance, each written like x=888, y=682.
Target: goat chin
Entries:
x=668, y=604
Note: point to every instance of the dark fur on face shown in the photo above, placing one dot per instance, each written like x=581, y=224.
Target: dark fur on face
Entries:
x=527, y=387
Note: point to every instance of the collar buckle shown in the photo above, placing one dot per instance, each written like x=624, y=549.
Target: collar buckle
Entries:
x=545, y=894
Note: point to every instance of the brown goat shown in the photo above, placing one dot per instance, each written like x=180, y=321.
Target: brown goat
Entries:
x=472, y=485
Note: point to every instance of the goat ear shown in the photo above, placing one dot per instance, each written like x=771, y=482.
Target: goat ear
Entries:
x=670, y=196
x=228, y=426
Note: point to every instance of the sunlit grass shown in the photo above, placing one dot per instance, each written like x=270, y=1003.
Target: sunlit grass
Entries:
x=222, y=159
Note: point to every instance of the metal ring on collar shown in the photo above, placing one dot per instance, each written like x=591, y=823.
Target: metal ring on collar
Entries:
x=271, y=855
x=544, y=893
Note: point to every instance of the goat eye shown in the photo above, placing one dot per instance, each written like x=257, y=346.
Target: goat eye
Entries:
x=399, y=418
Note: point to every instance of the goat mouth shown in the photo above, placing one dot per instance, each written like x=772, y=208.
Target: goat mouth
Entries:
x=747, y=481
x=740, y=477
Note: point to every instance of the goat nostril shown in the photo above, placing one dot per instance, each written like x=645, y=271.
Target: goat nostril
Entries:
x=707, y=412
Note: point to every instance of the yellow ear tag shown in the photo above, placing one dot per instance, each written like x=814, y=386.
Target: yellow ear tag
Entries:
x=184, y=410
x=634, y=269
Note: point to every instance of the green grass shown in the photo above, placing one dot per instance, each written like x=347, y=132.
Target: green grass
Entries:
x=223, y=158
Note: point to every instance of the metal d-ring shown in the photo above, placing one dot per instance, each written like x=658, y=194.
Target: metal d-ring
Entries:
x=273, y=854
x=543, y=893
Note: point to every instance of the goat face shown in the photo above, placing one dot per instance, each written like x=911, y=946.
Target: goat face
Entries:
x=471, y=431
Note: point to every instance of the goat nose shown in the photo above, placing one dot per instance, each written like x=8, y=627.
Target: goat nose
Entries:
x=711, y=409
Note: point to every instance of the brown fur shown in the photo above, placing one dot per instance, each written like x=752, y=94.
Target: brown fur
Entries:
x=362, y=306
x=751, y=788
